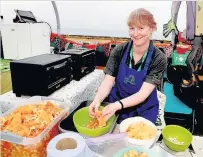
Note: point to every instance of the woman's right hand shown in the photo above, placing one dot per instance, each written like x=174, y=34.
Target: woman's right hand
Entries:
x=94, y=107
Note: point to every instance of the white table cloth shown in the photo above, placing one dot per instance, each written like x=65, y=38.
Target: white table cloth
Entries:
x=75, y=92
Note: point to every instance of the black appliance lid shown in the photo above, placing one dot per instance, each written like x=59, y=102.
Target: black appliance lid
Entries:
x=43, y=59
x=23, y=16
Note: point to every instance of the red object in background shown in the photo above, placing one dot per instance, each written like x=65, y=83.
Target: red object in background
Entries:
x=92, y=47
x=54, y=35
x=182, y=50
x=106, y=47
x=181, y=39
x=65, y=40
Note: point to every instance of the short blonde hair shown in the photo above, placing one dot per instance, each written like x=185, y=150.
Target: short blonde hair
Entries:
x=140, y=17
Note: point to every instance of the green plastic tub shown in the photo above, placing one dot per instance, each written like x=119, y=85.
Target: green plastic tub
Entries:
x=81, y=119
x=176, y=138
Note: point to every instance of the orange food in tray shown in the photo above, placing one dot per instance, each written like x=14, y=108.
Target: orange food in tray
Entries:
x=97, y=122
x=30, y=120
x=9, y=149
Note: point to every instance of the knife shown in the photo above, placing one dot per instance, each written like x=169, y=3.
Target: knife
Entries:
x=113, y=125
x=165, y=149
x=156, y=139
x=191, y=149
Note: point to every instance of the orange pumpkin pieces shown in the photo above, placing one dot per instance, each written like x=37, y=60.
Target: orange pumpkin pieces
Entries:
x=30, y=120
x=97, y=122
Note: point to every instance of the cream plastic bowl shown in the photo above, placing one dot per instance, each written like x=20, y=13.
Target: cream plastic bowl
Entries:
x=127, y=122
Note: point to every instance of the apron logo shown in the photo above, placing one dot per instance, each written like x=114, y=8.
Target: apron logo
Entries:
x=130, y=79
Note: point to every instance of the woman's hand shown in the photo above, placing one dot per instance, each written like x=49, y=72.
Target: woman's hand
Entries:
x=94, y=107
x=110, y=110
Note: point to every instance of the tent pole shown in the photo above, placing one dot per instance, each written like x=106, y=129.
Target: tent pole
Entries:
x=57, y=20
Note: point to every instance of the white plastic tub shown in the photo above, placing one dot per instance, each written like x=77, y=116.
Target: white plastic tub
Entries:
x=127, y=122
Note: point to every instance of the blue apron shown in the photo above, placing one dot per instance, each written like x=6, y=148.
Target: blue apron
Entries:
x=128, y=82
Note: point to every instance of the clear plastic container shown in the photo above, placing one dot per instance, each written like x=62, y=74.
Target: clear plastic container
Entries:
x=13, y=145
x=108, y=145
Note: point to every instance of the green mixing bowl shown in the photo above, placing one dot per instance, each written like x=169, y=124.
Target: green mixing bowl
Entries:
x=176, y=137
x=81, y=118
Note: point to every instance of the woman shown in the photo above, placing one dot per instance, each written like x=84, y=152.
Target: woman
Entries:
x=133, y=72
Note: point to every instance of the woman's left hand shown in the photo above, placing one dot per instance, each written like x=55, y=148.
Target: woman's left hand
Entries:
x=110, y=110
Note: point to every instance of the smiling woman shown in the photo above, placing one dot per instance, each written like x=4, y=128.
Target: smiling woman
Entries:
x=137, y=68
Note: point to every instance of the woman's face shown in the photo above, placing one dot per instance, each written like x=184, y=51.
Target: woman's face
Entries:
x=140, y=34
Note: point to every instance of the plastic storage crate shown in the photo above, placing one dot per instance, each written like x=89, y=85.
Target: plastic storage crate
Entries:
x=13, y=145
